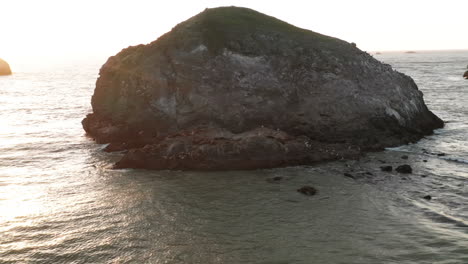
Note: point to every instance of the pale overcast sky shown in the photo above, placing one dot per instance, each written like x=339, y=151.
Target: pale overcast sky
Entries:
x=54, y=30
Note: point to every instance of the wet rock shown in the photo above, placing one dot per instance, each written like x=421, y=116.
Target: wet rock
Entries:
x=441, y=154
x=424, y=160
x=465, y=75
x=405, y=157
x=245, y=78
x=307, y=190
x=386, y=168
x=427, y=197
x=349, y=175
x=404, y=169
x=131, y=144
x=423, y=176
x=4, y=68
x=218, y=149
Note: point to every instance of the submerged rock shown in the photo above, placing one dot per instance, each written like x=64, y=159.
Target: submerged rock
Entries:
x=275, y=179
x=307, y=190
x=427, y=197
x=232, y=88
x=386, y=168
x=4, y=68
x=404, y=169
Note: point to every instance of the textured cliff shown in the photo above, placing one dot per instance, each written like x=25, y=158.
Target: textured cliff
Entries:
x=4, y=68
x=232, y=88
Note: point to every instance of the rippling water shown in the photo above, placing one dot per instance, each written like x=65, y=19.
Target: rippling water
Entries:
x=60, y=202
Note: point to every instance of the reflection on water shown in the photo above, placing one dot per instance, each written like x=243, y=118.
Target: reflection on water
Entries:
x=60, y=203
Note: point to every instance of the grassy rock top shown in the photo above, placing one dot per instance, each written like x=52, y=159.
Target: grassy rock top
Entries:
x=239, y=30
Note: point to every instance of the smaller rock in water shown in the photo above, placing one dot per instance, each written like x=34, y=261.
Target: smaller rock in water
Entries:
x=424, y=160
x=441, y=154
x=465, y=75
x=386, y=168
x=4, y=68
x=427, y=197
x=423, y=176
x=349, y=175
x=404, y=169
x=404, y=157
x=275, y=179
x=307, y=190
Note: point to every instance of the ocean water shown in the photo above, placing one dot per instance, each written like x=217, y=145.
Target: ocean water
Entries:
x=61, y=203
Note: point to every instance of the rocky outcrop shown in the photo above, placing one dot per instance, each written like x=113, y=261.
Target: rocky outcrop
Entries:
x=232, y=88
x=465, y=75
x=4, y=68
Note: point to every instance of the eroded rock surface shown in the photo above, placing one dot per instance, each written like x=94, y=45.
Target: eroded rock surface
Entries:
x=232, y=88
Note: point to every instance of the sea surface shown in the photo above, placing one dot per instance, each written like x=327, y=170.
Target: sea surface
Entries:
x=61, y=203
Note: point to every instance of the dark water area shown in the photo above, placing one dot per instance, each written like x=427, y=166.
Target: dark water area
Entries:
x=61, y=203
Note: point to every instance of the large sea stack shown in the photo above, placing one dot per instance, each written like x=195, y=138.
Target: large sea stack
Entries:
x=4, y=68
x=232, y=88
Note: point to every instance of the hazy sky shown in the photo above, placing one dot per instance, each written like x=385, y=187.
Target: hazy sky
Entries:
x=53, y=30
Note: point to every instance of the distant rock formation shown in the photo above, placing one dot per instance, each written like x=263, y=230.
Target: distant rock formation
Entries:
x=4, y=68
x=232, y=88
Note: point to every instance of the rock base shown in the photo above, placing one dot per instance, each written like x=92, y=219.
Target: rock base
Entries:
x=219, y=149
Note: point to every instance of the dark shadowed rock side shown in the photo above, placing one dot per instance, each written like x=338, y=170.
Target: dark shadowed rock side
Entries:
x=232, y=88
x=4, y=68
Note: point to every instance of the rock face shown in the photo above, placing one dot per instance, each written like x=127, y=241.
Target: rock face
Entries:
x=4, y=68
x=232, y=88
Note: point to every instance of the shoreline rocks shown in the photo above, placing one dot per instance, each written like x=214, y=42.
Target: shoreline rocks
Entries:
x=4, y=68
x=231, y=88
